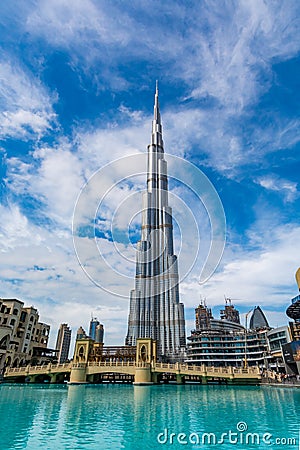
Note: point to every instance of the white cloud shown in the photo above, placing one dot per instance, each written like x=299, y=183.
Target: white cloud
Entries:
x=219, y=49
x=54, y=178
x=18, y=124
x=15, y=230
x=26, y=106
x=40, y=267
x=284, y=187
x=233, y=44
x=263, y=276
x=71, y=25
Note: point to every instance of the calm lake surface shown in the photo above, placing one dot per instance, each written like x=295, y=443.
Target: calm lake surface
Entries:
x=148, y=417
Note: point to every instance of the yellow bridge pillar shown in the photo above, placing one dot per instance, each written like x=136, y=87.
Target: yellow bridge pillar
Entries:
x=143, y=375
x=180, y=378
x=145, y=358
x=78, y=374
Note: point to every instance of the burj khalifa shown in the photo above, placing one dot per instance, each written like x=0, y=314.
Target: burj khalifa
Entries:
x=155, y=310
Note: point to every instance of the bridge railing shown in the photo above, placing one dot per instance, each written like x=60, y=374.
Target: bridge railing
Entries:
x=180, y=367
x=111, y=364
x=207, y=370
x=40, y=368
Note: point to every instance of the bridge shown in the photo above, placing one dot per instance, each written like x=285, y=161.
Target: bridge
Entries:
x=129, y=371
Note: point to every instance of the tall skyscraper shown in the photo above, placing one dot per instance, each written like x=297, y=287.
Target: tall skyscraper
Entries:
x=93, y=325
x=99, y=335
x=63, y=342
x=96, y=330
x=155, y=310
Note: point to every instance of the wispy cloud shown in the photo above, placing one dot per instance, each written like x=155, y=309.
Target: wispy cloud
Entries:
x=258, y=276
x=285, y=188
x=219, y=49
x=26, y=107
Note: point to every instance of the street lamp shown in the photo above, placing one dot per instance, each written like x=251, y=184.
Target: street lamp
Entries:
x=245, y=360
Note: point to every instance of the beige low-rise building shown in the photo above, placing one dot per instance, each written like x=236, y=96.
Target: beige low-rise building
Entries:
x=23, y=339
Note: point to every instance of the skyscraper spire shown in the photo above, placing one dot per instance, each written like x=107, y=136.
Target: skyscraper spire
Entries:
x=156, y=122
x=156, y=106
x=155, y=310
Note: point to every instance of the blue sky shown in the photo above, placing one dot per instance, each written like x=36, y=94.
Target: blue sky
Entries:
x=76, y=92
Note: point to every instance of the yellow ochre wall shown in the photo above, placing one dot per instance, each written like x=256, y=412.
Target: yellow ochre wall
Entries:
x=298, y=278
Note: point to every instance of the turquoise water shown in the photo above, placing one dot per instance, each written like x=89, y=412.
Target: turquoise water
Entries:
x=131, y=417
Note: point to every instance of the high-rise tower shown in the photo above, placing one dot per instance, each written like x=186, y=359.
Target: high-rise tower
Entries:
x=155, y=310
x=93, y=325
x=63, y=342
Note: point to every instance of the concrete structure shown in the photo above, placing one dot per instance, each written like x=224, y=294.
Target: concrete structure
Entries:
x=203, y=317
x=227, y=348
x=155, y=310
x=223, y=342
x=63, y=343
x=229, y=313
x=277, y=337
x=23, y=338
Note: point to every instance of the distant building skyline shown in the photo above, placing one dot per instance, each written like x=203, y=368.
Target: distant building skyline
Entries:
x=63, y=343
x=96, y=330
x=92, y=329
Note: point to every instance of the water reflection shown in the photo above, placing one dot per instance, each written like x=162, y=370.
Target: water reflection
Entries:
x=122, y=416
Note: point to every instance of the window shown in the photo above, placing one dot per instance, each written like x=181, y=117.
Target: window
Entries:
x=31, y=319
x=23, y=316
x=4, y=320
x=15, y=312
x=13, y=321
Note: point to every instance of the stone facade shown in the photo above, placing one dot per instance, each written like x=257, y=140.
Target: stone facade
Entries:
x=23, y=339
